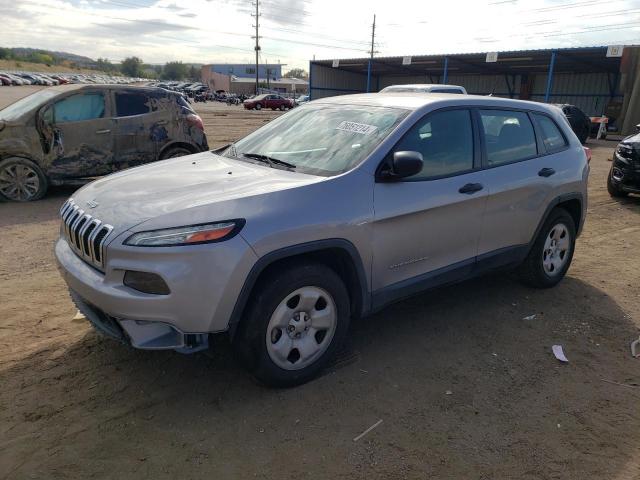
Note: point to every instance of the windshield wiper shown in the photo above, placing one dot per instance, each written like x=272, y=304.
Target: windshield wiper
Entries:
x=267, y=159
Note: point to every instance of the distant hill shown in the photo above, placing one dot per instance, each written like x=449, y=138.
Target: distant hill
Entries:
x=79, y=60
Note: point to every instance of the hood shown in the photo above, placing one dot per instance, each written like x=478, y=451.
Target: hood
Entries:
x=134, y=196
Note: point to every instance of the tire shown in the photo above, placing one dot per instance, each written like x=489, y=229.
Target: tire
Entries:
x=258, y=106
x=542, y=269
x=173, y=152
x=22, y=180
x=612, y=188
x=282, y=108
x=276, y=316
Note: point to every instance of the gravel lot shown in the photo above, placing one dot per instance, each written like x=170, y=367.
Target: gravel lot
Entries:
x=465, y=387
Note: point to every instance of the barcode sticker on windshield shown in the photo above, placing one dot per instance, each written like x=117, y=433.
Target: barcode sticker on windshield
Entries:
x=354, y=127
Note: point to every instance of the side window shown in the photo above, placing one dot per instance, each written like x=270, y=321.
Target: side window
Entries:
x=445, y=140
x=509, y=136
x=77, y=108
x=551, y=135
x=129, y=104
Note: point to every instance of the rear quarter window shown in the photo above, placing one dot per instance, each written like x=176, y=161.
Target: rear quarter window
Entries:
x=552, y=136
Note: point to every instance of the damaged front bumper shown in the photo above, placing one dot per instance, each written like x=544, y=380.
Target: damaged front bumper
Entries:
x=139, y=333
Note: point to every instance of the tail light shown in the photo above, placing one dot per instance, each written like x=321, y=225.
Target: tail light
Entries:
x=587, y=152
x=195, y=121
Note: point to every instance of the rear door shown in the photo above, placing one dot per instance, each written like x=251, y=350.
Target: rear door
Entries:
x=82, y=135
x=142, y=123
x=522, y=175
x=429, y=224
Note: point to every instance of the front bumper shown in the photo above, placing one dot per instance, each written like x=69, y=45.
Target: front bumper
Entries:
x=142, y=335
x=204, y=282
x=626, y=174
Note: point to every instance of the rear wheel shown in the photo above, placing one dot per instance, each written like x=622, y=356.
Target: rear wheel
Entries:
x=21, y=180
x=174, y=152
x=552, y=252
x=298, y=319
x=613, y=189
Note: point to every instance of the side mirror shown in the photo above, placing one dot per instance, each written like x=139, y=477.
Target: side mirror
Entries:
x=638, y=127
x=403, y=164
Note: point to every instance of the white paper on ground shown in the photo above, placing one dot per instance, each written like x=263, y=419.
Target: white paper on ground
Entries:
x=557, y=351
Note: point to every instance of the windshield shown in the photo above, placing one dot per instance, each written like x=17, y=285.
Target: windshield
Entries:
x=321, y=139
x=19, y=108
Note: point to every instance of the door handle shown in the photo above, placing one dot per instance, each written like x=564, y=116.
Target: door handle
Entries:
x=546, y=172
x=162, y=122
x=102, y=132
x=471, y=188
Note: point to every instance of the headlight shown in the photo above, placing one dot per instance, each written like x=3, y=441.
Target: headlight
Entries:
x=188, y=235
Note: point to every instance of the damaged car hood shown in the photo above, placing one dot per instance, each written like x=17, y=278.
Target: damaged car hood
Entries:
x=187, y=184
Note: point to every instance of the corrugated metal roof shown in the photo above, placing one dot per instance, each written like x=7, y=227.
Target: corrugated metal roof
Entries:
x=512, y=62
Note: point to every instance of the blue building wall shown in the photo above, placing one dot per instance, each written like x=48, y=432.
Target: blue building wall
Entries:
x=248, y=70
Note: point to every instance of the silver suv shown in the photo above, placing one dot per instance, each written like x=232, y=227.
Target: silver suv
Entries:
x=327, y=213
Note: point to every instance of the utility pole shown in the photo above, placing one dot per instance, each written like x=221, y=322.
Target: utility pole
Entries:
x=373, y=36
x=372, y=52
x=257, y=47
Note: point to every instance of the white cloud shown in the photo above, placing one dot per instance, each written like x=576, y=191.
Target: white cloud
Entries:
x=294, y=31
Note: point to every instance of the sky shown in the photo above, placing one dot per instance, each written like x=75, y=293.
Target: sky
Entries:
x=295, y=31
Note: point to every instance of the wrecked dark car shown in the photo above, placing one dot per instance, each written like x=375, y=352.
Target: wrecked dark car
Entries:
x=624, y=176
x=72, y=133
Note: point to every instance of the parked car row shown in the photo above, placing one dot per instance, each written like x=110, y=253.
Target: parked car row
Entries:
x=50, y=79
x=72, y=133
x=190, y=89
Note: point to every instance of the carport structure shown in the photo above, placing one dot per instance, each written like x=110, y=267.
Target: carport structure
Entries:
x=586, y=77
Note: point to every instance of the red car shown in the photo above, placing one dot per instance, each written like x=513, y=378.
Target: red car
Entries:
x=274, y=102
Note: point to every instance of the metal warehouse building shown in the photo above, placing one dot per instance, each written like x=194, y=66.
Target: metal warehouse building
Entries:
x=599, y=80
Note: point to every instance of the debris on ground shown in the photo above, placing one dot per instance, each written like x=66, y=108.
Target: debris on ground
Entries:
x=530, y=317
x=375, y=425
x=559, y=353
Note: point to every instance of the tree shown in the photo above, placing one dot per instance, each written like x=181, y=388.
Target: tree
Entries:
x=131, y=67
x=174, y=71
x=194, y=73
x=104, y=65
x=296, y=73
x=5, y=53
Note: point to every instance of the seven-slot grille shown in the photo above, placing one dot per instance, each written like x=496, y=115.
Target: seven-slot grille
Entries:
x=86, y=235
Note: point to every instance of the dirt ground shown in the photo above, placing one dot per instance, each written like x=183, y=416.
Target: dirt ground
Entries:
x=466, y=388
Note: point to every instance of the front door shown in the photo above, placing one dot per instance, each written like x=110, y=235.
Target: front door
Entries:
x=82, y=143
x=427, y=227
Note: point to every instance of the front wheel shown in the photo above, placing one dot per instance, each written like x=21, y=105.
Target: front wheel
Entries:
x=552, y=251
x=298, y=318
x=21, y=180
x=258, y=107
x=282, y=107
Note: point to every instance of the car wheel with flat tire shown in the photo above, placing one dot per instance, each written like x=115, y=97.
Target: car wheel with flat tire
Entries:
x=298, y=318
x=551, y=253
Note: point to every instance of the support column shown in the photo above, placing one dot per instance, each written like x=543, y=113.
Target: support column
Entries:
x=445, y=75
x=369, y=76
x=552, y=63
